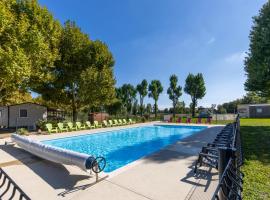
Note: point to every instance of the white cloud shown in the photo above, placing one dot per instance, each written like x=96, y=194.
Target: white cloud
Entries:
x=236, y=57
x=211, y=40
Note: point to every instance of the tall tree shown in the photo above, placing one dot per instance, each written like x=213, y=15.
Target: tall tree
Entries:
x=142, y=90
x=174, y=91
x=120, y=99
x=195, y=87
x=155, y=89
x=73, y=60
x=84, y=66
x=221, y=109
x=29, y=38
x=97, y=83
x=257, y=63
x=128, y=96
x=180, y=107
x=135, y=107
x=149, y=108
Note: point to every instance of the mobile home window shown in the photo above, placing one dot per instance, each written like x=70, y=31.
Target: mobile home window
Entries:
x=23, y=113
x=242, y=110
x=259, y=110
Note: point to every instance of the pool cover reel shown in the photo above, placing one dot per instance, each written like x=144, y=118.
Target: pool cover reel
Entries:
x=59, y=155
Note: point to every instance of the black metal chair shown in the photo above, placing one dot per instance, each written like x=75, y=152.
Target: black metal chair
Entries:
x=231, y=178
x=7, y=184
x=209, y=154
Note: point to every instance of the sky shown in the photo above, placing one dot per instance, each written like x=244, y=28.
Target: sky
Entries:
x=153, y=39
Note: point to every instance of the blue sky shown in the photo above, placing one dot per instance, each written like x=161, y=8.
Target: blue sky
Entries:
x=153, y=39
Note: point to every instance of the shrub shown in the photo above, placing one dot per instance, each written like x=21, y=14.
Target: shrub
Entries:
x=143, y=119
x=146, y=116
x=41, y=124
x=22, y=131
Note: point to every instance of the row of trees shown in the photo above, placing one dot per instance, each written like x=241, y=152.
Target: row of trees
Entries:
x=61, y=63
x=67, y=68
x=127, y=93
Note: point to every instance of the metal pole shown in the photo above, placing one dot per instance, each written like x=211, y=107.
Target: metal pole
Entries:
x=96, y=168
x=96, y=177
x=224, y=157
x=216, y=117
x=16, y=124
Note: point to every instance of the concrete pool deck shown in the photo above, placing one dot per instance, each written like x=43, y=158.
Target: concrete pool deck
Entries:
x=166, y=174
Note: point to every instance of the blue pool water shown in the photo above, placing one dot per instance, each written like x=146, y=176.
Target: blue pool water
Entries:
x=124, y=146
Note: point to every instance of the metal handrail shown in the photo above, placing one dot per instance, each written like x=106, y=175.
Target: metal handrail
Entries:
x=8, y=182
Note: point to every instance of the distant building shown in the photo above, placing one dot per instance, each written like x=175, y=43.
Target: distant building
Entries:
x=204, y=112
x=254, y=110
x=22, y=115
x=98, y=116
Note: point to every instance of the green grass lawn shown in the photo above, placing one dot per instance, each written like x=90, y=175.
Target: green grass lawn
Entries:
x=223, y=122
x=256, y=147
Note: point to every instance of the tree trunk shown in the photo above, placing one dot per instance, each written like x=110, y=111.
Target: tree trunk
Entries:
x=141, y=105
x=74, y=106
x=74, y=110
x=155, y=109
x=174, y=111
x=131, y=109
x=74, y=113
x=193, y=107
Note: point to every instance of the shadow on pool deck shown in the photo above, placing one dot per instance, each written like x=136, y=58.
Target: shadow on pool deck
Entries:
x=208, y=175
x=204, y=183
x=187, y=146
x=56, y=175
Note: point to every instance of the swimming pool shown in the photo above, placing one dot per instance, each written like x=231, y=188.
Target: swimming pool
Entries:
x=120, y=147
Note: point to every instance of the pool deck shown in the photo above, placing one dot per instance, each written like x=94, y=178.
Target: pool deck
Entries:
x=166, y=174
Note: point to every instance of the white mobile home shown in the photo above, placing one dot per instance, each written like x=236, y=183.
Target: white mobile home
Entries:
x=3, y=116
x=254, y=110
x=22, y=115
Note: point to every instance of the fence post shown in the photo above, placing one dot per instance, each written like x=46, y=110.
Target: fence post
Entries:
x=225, y=154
